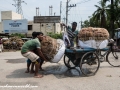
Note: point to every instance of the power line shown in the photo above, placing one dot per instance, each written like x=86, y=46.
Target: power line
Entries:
x=19, y=6
x=4, y=8
x=68, y=7
x=63, y=12
x=84, y=1
x=76, y=15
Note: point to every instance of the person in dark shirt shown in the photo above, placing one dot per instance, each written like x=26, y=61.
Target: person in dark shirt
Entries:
x=72, y=34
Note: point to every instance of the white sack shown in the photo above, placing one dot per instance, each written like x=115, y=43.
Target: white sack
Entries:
x=60, y=52
x=1, y=47
x=83, y=45
x=103, y=44
x=65, y=36
x=93, y=44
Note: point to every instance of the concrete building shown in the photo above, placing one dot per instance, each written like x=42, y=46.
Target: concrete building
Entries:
x=8, y=15
x=1, y=27
x=45, y=27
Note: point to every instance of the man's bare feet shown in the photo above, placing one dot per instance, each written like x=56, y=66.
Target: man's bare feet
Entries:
x=38, y=76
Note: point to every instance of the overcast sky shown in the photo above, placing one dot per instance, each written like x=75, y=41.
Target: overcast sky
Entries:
x=83, y=9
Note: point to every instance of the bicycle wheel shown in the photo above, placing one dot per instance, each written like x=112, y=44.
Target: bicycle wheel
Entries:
x=101, y=55
x=89, y=64
x=113, y=58
x=68, y=63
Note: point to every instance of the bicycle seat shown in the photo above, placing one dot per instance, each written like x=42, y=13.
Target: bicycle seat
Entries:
x=110, y=42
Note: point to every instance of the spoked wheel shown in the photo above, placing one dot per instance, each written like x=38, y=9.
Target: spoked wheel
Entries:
x=100, y=55
x=68, y=63
x=89, y=64
x=113, y=58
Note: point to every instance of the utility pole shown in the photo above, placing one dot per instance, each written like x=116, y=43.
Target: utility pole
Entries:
x=64, y=19
x=60, y=9
x=50, y=10
x=37, y=11
x=112, y=18
x=67, y=12
x=19, y=6
x=67, y=9
x=81, y=23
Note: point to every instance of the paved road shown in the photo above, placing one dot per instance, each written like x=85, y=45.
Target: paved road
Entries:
x=13, y=66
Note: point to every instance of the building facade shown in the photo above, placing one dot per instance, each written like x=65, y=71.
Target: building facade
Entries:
x=45, y=27
x=8, y=15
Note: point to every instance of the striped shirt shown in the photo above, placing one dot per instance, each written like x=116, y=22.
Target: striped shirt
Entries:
x=71, y=34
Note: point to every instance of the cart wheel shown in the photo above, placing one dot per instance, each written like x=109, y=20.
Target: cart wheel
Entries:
x=113, y=58
x=68, y=63
x=89, y=64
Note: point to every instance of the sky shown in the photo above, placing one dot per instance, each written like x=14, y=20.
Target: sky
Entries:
x=83, y=9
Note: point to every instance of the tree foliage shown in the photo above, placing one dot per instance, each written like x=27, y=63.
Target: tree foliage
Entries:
x=18, y=35
x=101, y=17
x=55, y=35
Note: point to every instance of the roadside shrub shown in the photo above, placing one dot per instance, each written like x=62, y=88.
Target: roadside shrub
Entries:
x=55, y=35
x=18, y=35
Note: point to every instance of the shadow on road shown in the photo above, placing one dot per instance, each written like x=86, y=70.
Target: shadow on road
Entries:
x=19, y=73
x=59, y=71
x=18, y=60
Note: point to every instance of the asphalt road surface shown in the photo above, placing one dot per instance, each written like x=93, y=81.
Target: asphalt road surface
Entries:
x=56, y=76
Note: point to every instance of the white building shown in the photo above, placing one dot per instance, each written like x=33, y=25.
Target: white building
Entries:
x=8, y=15
x=43, y=27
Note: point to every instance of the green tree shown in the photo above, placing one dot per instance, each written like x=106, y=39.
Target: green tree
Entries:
x=55, y=35
x=114, y=15
x=100, y=14
x=86, y=23
x=117, y=12
x=107, y=16
x=18, y=35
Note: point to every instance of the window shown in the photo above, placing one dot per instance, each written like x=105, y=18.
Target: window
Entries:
x=29, y=27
